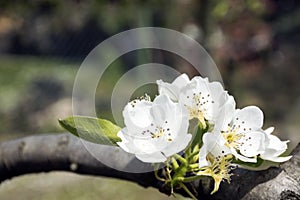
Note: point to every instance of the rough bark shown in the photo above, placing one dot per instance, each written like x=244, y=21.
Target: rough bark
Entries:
x=63, y=152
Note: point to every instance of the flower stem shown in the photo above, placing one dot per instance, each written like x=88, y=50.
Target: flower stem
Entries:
x=191, y=178
x=194, y=153
x=187, y=191
x=158, y=177
x=188, y=152
x=181, y=159
x=194, y=166
x=168, y=173
x=174, y=163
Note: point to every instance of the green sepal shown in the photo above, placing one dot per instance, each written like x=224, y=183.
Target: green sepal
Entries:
x=179, y=175
x=99, y=131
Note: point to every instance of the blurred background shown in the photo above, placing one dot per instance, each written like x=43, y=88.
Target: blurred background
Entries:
x=255, y=44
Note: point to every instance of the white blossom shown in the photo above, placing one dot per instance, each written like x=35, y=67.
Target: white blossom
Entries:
x=154, y=130
x=274, y=147
x=242, y=131
x=202, y=98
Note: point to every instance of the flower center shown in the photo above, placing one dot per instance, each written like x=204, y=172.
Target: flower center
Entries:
x=198, y=114
x=158, y=132
x=197, y=109
x=232, y=137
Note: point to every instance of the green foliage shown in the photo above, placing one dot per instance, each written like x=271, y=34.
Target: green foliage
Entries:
x=231, y=10
x=94, y=130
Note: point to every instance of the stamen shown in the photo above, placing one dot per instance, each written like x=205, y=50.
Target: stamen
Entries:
x=161, y=132
x=219, y=170
x=232, y=137
x=198, y=108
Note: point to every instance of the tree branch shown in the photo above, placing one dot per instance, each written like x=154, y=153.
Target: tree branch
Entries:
x=64, y=152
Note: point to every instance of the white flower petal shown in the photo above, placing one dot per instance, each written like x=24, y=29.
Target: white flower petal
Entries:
x=252, y=144
x=203, y=162
x=214, y=139
x=178, y=122
x=126, y=143
x=275, y=147
x=217, y=92
x=220, y=150
x=158, y=114
x=186, y=94
x=168, y=89
x=137, y=114
x=207, y=139
x=178, y=145
x=181, y=81
x=172, y=89
x=241, y=157
x=147, y=146
x=162, y=107
x=249, y=118
x=275, y=143
x=155, y=157
x=200, y=84
x=172, y=117
x=272, y=155
x=269, y=130
x=277, y=159
x=213, y=143
x=226, y=114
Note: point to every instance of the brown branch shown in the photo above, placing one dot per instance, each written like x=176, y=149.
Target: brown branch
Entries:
x=64, y=152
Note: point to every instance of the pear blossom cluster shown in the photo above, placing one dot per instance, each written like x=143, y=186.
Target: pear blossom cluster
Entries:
x=158, y=131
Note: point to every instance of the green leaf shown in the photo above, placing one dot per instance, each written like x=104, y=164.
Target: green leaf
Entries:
x=91, y=129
